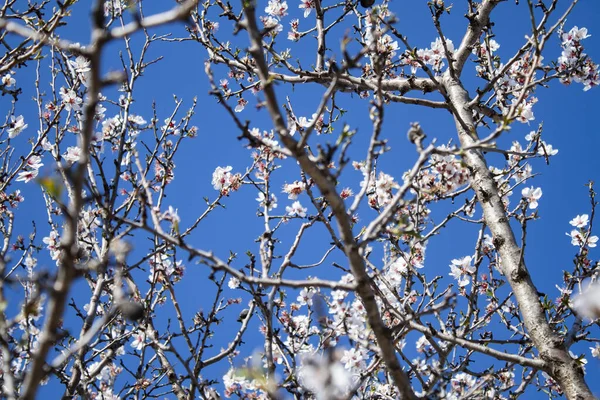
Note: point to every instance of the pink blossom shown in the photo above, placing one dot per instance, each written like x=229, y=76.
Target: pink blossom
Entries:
x=241, y=103
x=294, y=189
x=277, y=8
x=307, y=5
x=70, y=99
x=139, y=339
x=27, y=176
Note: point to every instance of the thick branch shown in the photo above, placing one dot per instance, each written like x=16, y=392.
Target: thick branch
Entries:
x=477, y=22
x=559, y=363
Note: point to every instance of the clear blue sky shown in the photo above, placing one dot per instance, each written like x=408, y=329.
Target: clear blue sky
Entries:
x=570, y=124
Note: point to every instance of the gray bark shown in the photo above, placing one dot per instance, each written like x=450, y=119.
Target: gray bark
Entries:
x=552, y=349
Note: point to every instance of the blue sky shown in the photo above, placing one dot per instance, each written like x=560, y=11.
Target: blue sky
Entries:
x=569, y=116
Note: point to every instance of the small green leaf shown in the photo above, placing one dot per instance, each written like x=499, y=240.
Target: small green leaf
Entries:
x=52, y=186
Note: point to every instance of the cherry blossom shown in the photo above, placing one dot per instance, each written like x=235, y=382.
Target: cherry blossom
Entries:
x=136, y=119
x=72, y=155
x=532, y=196
x=432, y=56
x=307, y=6
x=304, y=122
x=387, y=46
x=233, y=283
x=461, y=270
x=224, y=181
x=30, y=262
x=224, y=83
x=547, y=150
x=16, y=126
x=595, y=350
x=296, y=209
x=100, y=112
x=70, y=99
x=27, y=176
x=577, y=238
x=580, y=239
x=580, y=221
x=532, y=136
x=235, y=384
x=525, y=110
x=575, y=34
x=80, y=64
x=273, y=27
x=354, y=359
x=507, y=378
x=277, y=8
x=346, y=193
x=172, y=216
x=162, y=268
x=482, y=49
x=294, y=189
x=573, y=63
x=293, y=34
x=522, y=174
x=462, y=383
x=139, y=340
x=272, y=203
x=421, y=344
x=305, y=297
x=120, y=248
x=241, y=103
x=52, y=244
x=383, y=188
x=8, y=80
x=397, y=270
x=170, y=127
x=111, y=127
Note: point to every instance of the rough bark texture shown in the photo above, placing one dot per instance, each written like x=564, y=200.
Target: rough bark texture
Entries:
x=550, y=345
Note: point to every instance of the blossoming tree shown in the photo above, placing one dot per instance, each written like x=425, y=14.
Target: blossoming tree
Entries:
x=90, y=294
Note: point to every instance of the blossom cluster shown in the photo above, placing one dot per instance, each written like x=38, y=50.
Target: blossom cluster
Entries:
x=163, y=269
x=224, y=181
x=321, y=337
x=443, y=174
x=433, y=56
x=581, y=237
x=32, y=168
x=380, y=187
x=573, y=63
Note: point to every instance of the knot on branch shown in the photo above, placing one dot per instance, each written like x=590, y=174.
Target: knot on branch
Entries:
x=498, y=241
x=518, y=274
